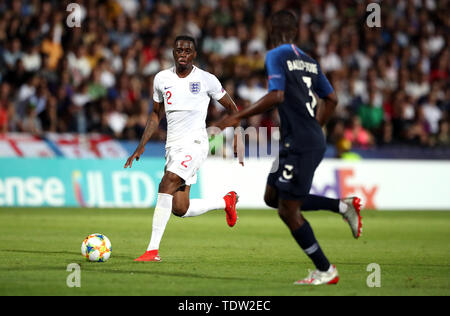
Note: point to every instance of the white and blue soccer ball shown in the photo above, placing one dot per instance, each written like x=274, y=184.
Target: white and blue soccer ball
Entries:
x=96, y=248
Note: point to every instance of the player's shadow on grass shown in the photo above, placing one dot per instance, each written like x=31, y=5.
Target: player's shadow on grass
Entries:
x=94, y=267
x=176, y=274
x=49, y=252
x=86, y=267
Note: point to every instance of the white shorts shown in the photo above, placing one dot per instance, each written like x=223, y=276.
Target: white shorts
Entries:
x=186, y=160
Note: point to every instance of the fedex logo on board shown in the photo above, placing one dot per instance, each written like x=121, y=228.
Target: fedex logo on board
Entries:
x=344, y=186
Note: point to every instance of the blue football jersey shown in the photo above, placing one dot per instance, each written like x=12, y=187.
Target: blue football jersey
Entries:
x=300, y=77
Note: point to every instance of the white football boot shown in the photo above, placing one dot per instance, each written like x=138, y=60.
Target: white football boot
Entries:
x=318, y=277
x=352, y=215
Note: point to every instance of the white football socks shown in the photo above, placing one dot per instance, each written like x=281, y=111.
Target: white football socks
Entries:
x=161, y=216
x=163, y=210
x=201, y=206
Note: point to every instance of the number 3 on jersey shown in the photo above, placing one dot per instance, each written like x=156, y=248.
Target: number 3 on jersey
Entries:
x=310, y=106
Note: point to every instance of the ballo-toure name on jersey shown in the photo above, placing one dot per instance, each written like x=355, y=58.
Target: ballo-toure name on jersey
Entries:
x=302, y=65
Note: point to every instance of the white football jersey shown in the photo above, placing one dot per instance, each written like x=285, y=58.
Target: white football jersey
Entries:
x=186, y=102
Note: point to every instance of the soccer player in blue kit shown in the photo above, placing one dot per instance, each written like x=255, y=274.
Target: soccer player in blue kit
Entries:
x=294, y=79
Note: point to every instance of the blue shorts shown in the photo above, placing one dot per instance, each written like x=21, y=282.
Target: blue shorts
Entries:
x=294, y=174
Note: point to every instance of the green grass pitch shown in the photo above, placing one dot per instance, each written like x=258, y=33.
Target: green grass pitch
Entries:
x=203, y=256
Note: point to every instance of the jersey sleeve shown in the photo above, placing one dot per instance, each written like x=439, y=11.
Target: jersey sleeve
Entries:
x=215, y=89
x=275, y=72
x=322, y=87
x=157, y=93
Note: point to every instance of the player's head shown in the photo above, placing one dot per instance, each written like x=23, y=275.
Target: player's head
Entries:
x=184, y=51
x=284, y=27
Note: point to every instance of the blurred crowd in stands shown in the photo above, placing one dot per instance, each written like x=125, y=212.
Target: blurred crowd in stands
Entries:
x=392, y=81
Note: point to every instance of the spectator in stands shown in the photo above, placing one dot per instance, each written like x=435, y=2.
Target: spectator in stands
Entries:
x=251, y=89
x=432, y=113
x=4, y=104
x=13, y=53
x=32, y=60
x=116, y=118
x=357, y=135
x=49, y=117
x=31, y=122
x=418, y=132
x=371, y=115
x=443, y=136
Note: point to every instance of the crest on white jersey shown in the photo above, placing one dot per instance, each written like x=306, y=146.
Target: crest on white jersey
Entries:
x=194, y=87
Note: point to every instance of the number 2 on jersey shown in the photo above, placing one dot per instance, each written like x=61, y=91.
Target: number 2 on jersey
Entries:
x=169, y=95
x=310, y=106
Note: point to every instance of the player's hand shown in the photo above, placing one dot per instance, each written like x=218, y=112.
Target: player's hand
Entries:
x=227, y=121
x=239, y=147
x=136, y=155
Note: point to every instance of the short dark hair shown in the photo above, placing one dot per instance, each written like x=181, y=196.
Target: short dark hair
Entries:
x=185, y=38
x=284, y=22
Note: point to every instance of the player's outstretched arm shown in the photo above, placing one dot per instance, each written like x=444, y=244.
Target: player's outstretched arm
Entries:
x=264, y=104
x=267, y=102
x=150, y=128
x=326, y=109
x=239, y=148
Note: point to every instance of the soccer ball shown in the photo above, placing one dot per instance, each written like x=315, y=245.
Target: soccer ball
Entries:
x=96, y=248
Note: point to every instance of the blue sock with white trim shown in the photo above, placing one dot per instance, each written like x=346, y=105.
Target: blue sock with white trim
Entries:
x=307, y=241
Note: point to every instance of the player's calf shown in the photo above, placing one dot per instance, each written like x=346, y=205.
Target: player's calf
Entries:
x=181, y=201
x=289, y=212
x=179, y=211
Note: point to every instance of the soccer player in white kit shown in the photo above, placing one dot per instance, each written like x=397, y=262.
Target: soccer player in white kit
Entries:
x=184, y=91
